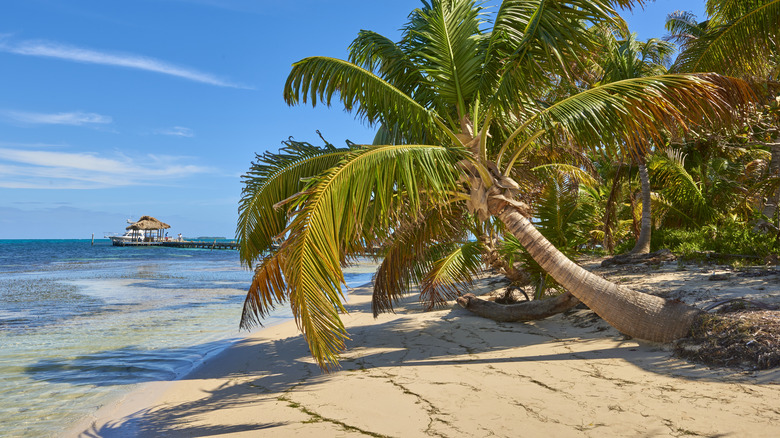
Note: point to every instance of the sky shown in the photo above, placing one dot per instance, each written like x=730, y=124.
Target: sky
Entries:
x=114, y=110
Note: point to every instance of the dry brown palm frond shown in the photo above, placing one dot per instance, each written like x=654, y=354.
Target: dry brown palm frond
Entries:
x=408, y=253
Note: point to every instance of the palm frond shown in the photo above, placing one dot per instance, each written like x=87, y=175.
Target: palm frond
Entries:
x=576, y=173
x=724, y=11
x=379, y=54
x=370, y=97
x=451, y=275
x=408, y=256
x=678, y=186
x=444, y=36
x=271, y=179
x=268, y=288
x=743, y=43
x=559, y=213
x=634, y=112
x=663, y=207
x=684, y=28
x=533, y=40
x=339, y=214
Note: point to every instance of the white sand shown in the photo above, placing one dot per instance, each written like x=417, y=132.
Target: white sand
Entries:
x=448, y=373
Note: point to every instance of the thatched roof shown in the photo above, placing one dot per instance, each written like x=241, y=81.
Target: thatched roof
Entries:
x=148, y=223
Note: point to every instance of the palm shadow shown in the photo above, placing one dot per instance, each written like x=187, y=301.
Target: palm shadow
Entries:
x=273, y=367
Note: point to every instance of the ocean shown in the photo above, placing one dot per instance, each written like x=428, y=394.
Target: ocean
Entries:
x=82, y=324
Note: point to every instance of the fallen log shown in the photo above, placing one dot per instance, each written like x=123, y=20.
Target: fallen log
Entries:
x=653, y=258
x=518, y=312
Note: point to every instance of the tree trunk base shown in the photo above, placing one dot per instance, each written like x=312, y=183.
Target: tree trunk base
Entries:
x=519, y=312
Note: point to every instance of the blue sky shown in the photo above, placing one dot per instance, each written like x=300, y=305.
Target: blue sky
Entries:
x=113, y=110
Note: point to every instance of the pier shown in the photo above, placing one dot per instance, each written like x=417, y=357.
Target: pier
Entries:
x=202, y=244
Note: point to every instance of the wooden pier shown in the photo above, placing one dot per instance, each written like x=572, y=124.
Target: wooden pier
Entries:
x=202, y=244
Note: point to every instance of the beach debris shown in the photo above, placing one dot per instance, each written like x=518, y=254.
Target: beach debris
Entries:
x=719, y=277
x=653, y=258
x=518, y=312
x=745, y=339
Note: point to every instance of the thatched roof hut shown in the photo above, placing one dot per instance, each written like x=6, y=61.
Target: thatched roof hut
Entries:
x=148, y=224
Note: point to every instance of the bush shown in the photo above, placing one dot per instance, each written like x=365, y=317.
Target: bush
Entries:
x=725, y=237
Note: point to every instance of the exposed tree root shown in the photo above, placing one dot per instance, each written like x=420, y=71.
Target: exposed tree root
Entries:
x=523, y=311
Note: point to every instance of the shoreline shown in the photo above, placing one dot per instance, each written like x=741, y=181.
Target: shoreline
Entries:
x=138, y=397
x=450, y=373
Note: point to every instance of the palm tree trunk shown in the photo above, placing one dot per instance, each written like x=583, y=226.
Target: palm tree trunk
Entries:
x=494, y=260
x=770, y=208
x=642, y=245
x=610, y=213
x=634, y=313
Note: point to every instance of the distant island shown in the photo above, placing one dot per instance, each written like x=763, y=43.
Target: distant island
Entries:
x=209, y=238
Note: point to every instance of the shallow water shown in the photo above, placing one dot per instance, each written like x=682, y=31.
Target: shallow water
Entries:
x=81, y=325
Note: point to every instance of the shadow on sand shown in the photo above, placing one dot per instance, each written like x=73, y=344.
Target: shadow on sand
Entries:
x=455, y=337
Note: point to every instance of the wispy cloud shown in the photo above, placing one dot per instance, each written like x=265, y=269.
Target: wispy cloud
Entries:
x=45, y=169
x=179, y=131
x=49, y=49
x=76, y=118
x=37, y=145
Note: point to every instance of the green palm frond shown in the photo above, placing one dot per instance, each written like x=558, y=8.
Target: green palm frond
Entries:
x=408, y=256
x=534, y=40
x=678, y=186
x=370, y=97
x=663, y=207
x=445, y=38
x=560, y=214
x=743, y=43
x=387, y=59
x=633, y=112
x=573, y=172
x=631, y=58
x=272, y=178
x=451, y=275
x=724, y=11
x=683, y=28
x=340, y=214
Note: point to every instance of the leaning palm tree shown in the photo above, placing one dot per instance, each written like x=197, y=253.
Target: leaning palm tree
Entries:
x=459, y=105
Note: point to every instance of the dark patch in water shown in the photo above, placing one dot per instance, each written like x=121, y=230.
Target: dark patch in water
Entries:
x=33, y=303
x=122, y=366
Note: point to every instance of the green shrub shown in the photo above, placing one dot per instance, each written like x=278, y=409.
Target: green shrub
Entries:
x=724, y=237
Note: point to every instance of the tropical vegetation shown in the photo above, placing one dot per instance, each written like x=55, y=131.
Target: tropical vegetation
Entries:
x=489, y=129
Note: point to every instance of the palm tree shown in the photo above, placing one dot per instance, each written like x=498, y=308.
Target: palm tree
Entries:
x=739, y=38
x=459, y=105
x=628, y=58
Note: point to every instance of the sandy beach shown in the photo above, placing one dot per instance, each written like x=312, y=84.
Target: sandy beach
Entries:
x=448, y=373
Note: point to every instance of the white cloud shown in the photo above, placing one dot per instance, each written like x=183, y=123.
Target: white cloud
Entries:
x=179, y=131
x=48, y=49
x=76, y=118
x=45, y=169
x=9, y=144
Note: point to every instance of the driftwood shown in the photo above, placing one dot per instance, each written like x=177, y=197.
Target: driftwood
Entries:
x=718, y=255
x=653, y=258
x=523, y=311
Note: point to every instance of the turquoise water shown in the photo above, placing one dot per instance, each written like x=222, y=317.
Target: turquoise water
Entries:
x=81, y=325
